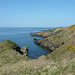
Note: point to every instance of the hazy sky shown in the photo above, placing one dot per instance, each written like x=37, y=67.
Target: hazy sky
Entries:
x=37, y=13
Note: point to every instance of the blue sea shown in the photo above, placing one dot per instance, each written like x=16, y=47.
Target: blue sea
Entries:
x=22, y=37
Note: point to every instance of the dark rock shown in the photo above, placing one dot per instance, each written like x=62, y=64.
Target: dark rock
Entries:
x=56, y=46
x=63, y=43
x=35, y=39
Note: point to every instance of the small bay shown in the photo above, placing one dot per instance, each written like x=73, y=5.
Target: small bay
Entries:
x=21, y=36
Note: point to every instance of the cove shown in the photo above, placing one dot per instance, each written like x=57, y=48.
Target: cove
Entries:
x=22, y=37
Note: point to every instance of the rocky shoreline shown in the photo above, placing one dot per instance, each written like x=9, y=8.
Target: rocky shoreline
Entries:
x=49, y=39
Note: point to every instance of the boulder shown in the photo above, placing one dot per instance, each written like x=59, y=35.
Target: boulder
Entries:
x=24, y=50
x=35, y=39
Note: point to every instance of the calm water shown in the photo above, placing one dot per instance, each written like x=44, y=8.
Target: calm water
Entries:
x=22, y=37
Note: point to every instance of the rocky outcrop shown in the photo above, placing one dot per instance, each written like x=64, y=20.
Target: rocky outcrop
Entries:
x=54, y=38
x=43, y=34
x=35, y=39
x=24, y=50
x=51, y=38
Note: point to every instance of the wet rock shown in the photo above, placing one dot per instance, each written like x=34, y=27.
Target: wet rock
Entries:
x=35, y=39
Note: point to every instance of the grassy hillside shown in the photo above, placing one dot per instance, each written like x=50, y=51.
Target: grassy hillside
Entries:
x=61, y=41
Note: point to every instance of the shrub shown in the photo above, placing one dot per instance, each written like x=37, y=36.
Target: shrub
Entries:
x=72, y=31
x=52, y=39
x=70, y=47
x=72, y=28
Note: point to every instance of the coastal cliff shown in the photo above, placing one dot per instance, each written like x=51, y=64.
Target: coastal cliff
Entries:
x=61, y=61
x=54, y=38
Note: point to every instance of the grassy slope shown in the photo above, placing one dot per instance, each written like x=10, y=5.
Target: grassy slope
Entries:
x=60, y=62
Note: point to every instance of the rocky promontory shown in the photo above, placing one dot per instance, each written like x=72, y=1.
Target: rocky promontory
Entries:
x=54, y=38
x=7, y=44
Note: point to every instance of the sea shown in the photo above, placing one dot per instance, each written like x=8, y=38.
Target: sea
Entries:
x=21, y=36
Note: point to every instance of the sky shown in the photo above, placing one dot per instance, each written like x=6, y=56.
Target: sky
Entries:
x=37, y=13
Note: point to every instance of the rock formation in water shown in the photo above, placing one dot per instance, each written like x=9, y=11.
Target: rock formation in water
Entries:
x=24, y=50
